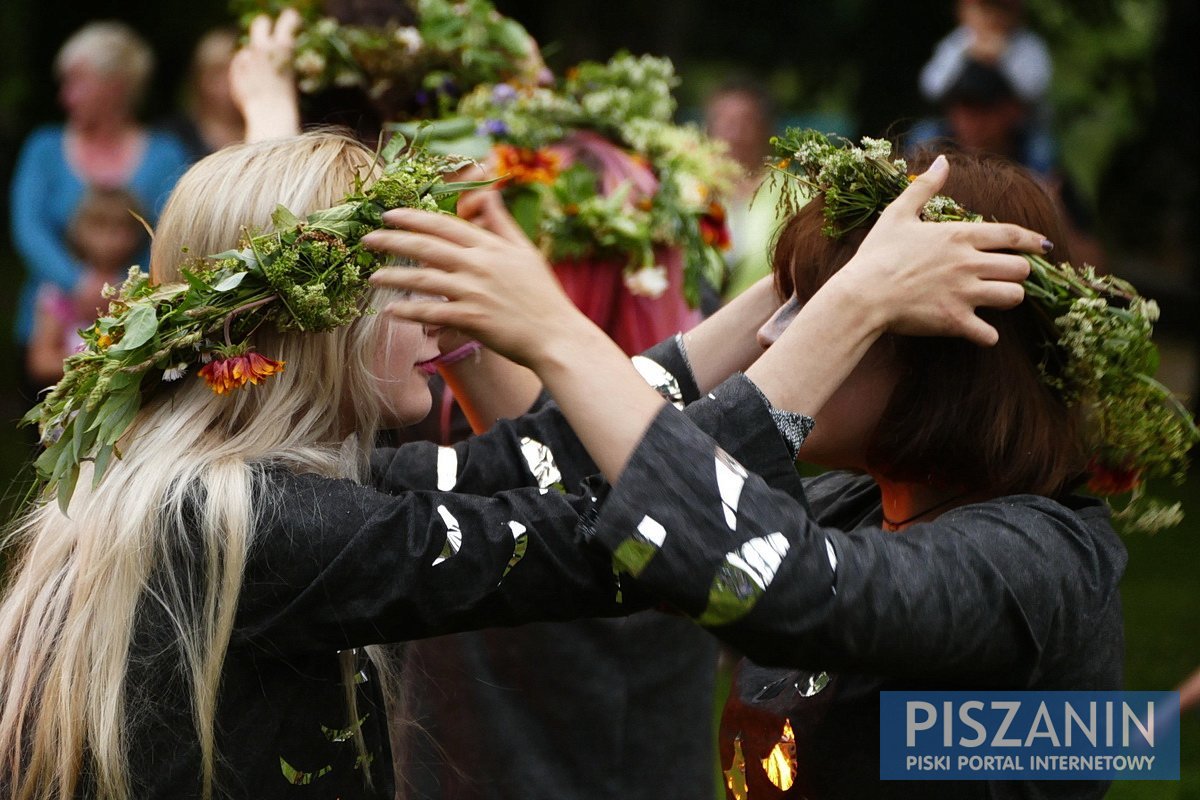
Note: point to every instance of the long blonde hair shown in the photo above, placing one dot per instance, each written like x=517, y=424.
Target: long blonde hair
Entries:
x=192, y=467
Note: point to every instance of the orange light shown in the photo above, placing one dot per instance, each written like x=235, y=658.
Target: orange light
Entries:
x=780, y=765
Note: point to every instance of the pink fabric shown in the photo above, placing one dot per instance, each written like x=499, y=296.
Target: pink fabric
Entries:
x=635, y=323
x=58, y=306
x=611, y=163
x=597, y=286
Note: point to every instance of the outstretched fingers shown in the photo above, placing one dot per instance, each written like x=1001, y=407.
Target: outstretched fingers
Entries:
x=1001, y=236
x=420, y=281
x=485, y=208
x=443, y=226
x=922, y=189
x=428, y=249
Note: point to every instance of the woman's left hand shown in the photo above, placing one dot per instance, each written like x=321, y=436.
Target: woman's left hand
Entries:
x=498, y=286
x=927, y=278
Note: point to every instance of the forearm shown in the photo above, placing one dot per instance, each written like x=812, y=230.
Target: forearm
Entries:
x=272, y=118
x=606, y=402
x=489, y=387
x=727, y=342
x=818, y=351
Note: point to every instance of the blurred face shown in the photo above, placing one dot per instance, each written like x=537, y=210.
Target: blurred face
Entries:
x=212, y=85
x=403, y=370
x=108, y=242
x=736, y=119
x=846, y=424
x=90, y=96
x=990, y=128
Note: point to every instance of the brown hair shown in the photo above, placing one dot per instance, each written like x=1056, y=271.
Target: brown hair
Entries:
x=962, y=416
x=107, y=204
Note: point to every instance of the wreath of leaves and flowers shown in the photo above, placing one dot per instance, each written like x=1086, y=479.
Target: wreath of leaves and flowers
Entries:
x=1138, y=430
x=449, y=49
x=557, y=148
x=303, y=275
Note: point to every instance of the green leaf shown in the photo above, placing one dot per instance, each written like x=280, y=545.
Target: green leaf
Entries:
x=66, y=488
x=49, y=458
x=141, y=323
x=100, y=464
x=283, y=218
x=119, y=411
x=230, y=282
x=439, y=189
x=394, y=147
x=526, y=208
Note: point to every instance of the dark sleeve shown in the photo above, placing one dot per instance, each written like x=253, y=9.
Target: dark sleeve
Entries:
x=978, y=593
x=538, y=449
x=338, y=565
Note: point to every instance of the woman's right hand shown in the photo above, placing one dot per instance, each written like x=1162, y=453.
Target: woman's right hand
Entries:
x=927, y=278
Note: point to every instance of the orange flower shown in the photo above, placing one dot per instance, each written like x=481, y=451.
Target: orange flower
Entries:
x=1105, y=479
x=713, y=229
x=103, y=341
x=524, y=165
x=223, y=375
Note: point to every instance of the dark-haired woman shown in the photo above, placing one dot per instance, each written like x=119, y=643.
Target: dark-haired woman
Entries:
x=949, y=555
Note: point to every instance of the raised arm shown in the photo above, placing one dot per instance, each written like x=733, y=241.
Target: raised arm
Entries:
x=262, y=81
x=909, y=276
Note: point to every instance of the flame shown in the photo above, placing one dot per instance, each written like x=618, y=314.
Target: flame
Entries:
x=780, y=765
x=735, y=776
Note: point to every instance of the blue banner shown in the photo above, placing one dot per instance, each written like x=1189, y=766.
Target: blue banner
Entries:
x=1029, y=735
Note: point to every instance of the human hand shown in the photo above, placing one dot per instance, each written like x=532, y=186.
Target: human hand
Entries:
x=927, y=278
x=261, y=79
x=498, y=286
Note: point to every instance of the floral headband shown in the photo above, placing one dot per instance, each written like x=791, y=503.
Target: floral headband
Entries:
x=1138, y=429
x=304, y=275
x=593, y=167
x=449, y=49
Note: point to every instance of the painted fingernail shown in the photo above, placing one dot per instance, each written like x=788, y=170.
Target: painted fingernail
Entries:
x=1047, y=245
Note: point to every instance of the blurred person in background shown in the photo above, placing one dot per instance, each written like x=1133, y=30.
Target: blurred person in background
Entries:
x=982, y=111
x=210, y=118
x=105, y=236
x=991, y=33
x=103, y=69
x=741, y=114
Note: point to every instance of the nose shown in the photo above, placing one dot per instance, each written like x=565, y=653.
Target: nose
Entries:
x=773, y=328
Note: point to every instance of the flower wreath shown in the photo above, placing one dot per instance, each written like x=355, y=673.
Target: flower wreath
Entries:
x=451, y=48
x=1138, y=429
x=303, y=275
x=594, y=167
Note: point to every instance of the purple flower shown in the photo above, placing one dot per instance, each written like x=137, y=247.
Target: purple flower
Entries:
x=492, y=127
x=503, y=93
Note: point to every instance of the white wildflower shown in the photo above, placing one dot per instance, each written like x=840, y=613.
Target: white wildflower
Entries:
x=309, y=63
x=176, y=372
x=410, y=38
x=648, y=281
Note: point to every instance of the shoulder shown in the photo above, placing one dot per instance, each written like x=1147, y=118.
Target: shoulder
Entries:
x=164, y=146
x=45, y=140
x=832, y=495
x=1069, y=541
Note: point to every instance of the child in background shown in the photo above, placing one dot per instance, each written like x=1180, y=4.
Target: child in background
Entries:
x=106, y=236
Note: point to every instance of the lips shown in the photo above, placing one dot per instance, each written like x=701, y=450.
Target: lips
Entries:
x=430, y=365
